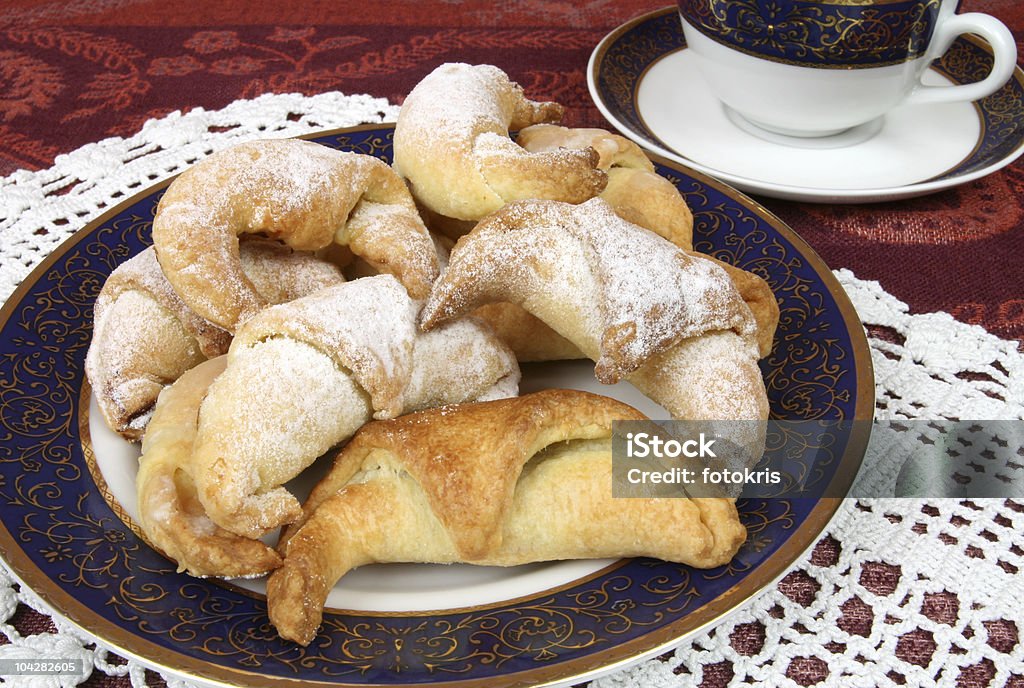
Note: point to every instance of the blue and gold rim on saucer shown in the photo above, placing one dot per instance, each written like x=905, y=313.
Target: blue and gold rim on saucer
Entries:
x=618, y=65
x=812, y=33
x=62, y=537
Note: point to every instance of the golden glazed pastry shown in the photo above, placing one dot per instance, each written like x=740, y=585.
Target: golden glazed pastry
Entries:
x=636, y=192
x=452, y=144
x=500, y=483
x=304, y=376
x=308, y=196
x=144, y=336
x=170, y=513
x=670, y=322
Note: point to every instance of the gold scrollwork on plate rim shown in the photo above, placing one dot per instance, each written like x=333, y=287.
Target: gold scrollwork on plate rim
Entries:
x=136, y=646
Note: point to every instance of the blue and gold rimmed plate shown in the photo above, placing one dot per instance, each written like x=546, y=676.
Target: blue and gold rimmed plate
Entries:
x=645, y=81
x=66, y=485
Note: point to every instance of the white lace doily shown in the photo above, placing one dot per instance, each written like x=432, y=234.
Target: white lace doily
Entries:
x=897, y=592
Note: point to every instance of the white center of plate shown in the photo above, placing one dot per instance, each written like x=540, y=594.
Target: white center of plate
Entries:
x=915, y=143
x=405, y=587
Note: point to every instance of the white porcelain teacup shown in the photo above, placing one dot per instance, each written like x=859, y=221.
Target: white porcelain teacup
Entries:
x=817, y=68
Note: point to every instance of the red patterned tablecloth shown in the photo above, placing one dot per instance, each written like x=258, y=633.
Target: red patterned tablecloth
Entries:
x=72, y=73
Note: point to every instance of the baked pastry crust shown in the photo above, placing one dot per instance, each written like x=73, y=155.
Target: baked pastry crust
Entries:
x=759, y=298
x=304, y=194
x=500, y=483
x=635, y=191
x=452, y=144
x=304, y=376
x=673, y=324
x=169, y=510
x=527, y=335
x=145, y=336
x=638, y=195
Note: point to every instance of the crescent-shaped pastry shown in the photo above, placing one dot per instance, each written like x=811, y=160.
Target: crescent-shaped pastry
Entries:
x=670, y=322
x=304, y=376
x=641, y=196
x=500, y=483
x=145, y=336
x=304, y=194
x=170, y=513
x=452, y=143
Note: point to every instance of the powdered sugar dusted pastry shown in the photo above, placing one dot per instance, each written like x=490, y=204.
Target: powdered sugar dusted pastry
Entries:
x=169, y=510
x=636, y=192
x=528, y=337
x=281, y=274
x=532, y=340
x=500, y=483
x=304, y=376
x=671, y=323
x=302, y=193
x=452, y=144
x=641, y=196
x=144, y=336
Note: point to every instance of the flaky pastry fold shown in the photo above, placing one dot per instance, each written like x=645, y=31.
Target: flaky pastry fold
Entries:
x=635, y=191
x=304, y=376
x=452, y=143
x=170, y=513
x=499, y=483
x=308, y=196
x=672, y=323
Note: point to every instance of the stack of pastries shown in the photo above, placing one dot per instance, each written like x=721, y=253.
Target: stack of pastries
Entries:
x=299, y=300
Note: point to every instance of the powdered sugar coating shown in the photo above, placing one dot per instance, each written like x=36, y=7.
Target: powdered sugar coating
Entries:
x=653, y=293
x=299, y=192
x=365, y=326
x=261, y=408
x=138, y=347
x=142, y=273
x=303, y=376
x=486, y=368
x=281, y=274
x=623, y=293
x=452, y=144
x=711, y=377
x=145, y=336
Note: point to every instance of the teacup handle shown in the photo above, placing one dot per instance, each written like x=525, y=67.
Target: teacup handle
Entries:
x=1004, y=52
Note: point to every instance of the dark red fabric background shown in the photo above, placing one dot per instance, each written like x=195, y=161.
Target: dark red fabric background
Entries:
x=72, y=73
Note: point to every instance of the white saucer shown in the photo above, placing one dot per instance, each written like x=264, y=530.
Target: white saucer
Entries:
x=657, y=98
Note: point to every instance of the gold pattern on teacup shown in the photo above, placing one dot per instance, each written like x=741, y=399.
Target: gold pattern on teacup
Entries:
x=851, y=34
